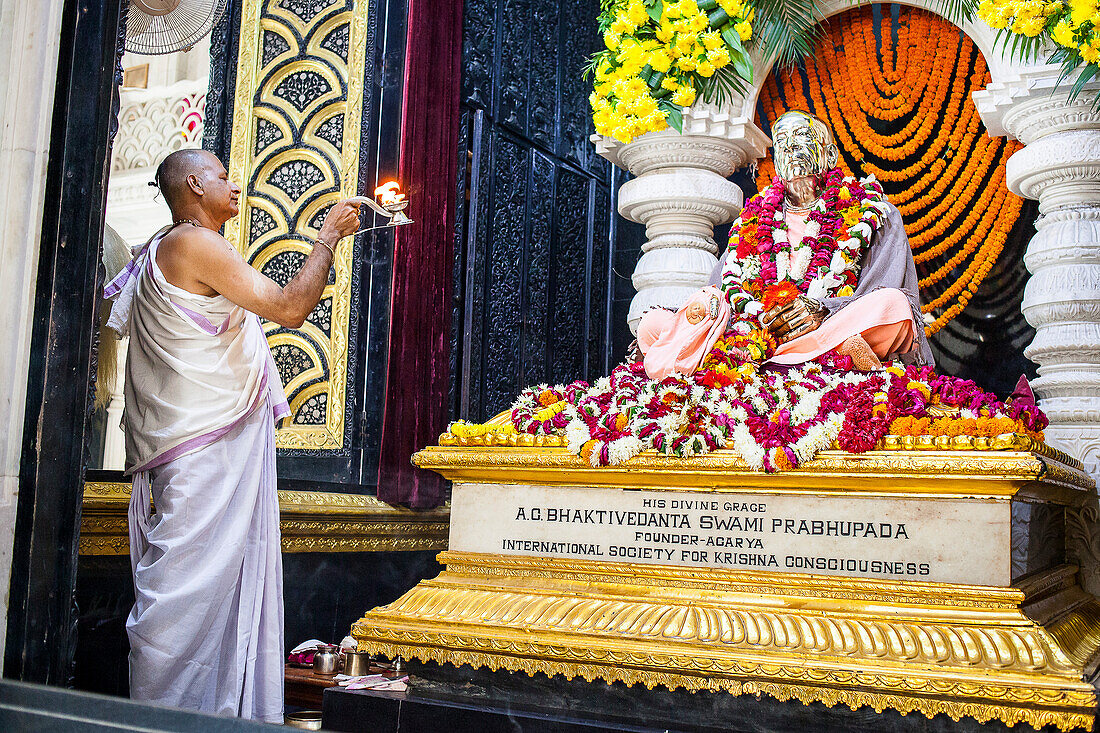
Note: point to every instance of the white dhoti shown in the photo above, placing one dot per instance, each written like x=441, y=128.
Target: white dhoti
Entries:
x=202, y=398
x=207, y=624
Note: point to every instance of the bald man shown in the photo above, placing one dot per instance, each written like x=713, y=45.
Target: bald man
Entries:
x=202, y=400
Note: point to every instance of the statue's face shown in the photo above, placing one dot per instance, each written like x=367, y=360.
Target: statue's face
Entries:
x=803, y=147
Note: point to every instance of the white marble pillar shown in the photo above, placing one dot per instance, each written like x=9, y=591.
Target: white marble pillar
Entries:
x=680, y=193
x=1060, y=167
x=29, y=43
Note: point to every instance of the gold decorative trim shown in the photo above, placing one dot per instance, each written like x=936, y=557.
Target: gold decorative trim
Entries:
x=941, y=473
x=759, y=583
x=640, y=624
x=255, y=99
x=310, y=521
x=1008, y=441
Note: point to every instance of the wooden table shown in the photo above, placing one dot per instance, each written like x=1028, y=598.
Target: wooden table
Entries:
x=304, y=688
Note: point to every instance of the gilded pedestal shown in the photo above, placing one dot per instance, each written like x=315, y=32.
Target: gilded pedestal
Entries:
x=1020, y=646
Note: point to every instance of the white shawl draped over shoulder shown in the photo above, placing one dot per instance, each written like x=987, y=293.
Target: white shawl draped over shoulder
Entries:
x=196, y=367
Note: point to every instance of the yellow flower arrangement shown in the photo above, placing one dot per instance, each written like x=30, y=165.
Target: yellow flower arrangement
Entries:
x=1073, y=26
x=663, y=55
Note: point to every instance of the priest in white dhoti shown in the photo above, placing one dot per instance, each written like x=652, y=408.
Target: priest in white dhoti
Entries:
x=202, y=400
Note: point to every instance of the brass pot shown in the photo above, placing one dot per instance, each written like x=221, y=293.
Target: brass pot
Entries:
x=303, y=720
x=324, y=660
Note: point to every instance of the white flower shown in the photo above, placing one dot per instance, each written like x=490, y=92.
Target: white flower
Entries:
x=782, y=265
x=747, y=447
x=818, y=289
x=742, y=327
x=623, y=449
x=576, y=435
x=754, y=307
x=862, y=230
x=812, y=229
x=750, y=267
x=800, y=262
x=779, y=236
x=838, y=264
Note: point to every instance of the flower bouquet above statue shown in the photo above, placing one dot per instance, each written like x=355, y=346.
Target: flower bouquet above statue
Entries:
x=660, y=56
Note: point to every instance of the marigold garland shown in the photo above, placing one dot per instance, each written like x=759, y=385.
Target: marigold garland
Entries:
x=903, y=113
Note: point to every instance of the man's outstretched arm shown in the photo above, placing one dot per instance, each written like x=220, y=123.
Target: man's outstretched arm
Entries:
x=219, y=266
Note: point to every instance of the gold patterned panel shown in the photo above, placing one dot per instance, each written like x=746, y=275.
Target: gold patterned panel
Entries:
x=297, y=119
x=1021, y=472
x=907, y=646
x=310, y=521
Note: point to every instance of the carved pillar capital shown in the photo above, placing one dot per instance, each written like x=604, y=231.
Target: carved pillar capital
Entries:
x=680, y=193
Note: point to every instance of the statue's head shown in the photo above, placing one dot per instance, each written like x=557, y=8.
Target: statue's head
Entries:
x=804, y=146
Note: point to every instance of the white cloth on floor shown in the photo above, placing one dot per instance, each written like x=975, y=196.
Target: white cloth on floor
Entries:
x=206, y=630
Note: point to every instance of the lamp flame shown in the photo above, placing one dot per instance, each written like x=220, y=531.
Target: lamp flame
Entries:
x=389, y=193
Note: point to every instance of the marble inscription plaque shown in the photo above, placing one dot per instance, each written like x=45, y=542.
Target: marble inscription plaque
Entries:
x=947, y=540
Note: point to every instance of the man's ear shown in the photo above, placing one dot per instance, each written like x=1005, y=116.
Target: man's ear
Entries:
x=831, y=155
x=194, y=184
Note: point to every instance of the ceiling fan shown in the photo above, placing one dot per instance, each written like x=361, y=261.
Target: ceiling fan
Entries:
x=156, y=27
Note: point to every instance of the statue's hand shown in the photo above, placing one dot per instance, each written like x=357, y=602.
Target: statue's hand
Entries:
x=797, y=318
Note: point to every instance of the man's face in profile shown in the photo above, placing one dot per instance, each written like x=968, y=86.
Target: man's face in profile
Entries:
x=220, y=195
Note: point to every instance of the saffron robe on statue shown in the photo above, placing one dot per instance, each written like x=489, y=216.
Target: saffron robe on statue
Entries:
x=886, y=264
x=202, y=398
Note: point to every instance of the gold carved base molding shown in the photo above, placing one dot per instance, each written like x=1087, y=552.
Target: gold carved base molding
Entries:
x=931, y=648
x=309, y=521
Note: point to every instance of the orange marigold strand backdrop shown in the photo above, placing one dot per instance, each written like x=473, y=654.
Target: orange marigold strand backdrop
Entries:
x=902, y=111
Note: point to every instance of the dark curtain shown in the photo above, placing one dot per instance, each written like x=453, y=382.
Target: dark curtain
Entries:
x=418, y=370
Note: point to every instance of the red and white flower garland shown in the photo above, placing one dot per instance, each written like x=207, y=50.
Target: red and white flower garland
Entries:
x=764, y=268
x=774, y=420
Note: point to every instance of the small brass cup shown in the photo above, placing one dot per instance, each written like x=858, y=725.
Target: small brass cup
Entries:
x=356, y=664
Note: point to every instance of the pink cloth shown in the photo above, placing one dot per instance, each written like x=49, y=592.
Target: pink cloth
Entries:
x=796, y=227
x=672, y=343
x=884, y=318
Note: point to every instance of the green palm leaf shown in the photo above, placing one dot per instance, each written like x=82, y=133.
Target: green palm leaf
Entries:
x=958, y=11
x=787, y=30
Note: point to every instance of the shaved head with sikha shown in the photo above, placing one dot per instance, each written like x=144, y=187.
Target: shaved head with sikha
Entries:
x=195, y=185
x=172, y=175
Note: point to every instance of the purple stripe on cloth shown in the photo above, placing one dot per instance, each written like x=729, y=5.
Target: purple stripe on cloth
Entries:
x=201, y=441
x=114, y=287
x=202, y=321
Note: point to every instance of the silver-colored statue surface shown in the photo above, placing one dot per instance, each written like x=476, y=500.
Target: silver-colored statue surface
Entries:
x=804, y=152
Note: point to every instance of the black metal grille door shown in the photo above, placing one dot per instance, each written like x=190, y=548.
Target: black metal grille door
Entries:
x=535, y=233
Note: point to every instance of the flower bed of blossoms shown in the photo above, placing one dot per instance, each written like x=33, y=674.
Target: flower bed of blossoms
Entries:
x=774, y=419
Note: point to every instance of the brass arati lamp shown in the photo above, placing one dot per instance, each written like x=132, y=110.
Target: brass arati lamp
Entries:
x=391, y=204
